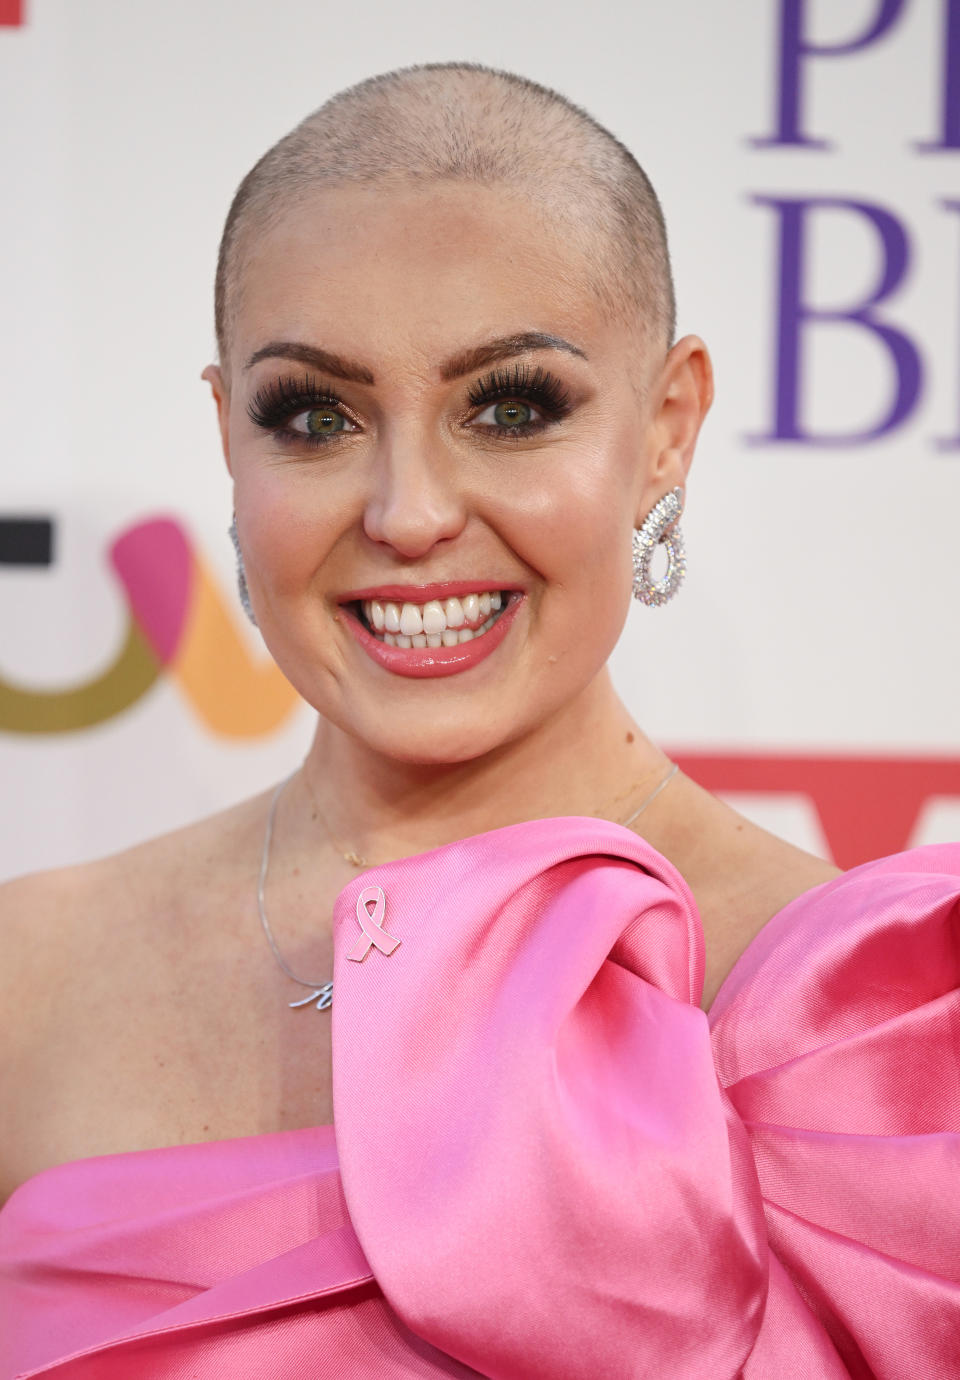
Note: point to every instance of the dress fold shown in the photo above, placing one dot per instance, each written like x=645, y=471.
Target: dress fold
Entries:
x=549, y=1163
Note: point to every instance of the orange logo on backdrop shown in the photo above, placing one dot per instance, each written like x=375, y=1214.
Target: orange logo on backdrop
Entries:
x=177, y=624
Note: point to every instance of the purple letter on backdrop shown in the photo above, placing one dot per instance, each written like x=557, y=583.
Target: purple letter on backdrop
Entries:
x=793, y=313
x=950, y=106
x=795, y=47
x=949, y=442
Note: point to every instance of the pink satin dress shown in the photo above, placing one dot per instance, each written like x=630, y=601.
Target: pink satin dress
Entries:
x=549, y=1163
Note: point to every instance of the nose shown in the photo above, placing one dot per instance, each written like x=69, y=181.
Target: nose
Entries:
x=415, y=501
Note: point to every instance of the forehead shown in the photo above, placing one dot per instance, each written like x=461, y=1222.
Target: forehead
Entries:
x=416, y=271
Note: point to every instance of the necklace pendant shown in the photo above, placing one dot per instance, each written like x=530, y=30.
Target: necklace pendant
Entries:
x=354, y=859
x=322, y=995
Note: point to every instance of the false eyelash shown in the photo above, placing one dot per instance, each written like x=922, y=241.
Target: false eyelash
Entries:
x=536, y=385
x=276, y=402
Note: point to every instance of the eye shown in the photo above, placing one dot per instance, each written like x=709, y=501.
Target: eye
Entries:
x=320, y=421
x=518, y=401
x=510, y=413
x=300, y=411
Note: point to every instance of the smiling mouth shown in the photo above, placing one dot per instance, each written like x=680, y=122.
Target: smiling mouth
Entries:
x=438, y=622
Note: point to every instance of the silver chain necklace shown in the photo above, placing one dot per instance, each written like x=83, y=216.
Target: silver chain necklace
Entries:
x=322, y=992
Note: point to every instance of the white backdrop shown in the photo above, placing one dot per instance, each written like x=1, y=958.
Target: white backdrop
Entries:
x=819, y=618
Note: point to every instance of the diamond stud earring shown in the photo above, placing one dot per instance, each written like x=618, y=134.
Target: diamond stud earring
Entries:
x=646, y=538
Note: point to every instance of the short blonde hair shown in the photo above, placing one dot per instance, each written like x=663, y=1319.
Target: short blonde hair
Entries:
x=473, y=123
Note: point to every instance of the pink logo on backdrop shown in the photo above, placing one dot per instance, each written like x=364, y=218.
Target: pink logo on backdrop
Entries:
x=178, y=625
x=11, y=13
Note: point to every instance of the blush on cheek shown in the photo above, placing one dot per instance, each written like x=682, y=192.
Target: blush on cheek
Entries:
x=283, y=545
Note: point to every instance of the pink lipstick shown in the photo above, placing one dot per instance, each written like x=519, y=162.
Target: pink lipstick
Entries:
x=427, y=662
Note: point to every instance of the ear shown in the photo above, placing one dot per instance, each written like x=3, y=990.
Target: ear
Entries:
x=680, y=399
x=221, y=396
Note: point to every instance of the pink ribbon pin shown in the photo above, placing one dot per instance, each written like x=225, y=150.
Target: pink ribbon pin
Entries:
x=372, y=924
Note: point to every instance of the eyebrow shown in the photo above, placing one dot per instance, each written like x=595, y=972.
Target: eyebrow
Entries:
x=503, y=347
x=322, y=360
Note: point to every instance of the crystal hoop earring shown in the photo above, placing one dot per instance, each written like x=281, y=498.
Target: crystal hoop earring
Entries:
x=646, y=538
x=242, y=589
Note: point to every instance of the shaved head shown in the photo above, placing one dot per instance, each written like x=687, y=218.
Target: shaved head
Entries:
x=471, y=124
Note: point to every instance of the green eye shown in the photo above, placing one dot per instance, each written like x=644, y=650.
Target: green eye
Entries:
x=512, y=413
x=324, y=421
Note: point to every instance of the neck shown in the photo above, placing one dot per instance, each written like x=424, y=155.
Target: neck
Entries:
x=588, y=759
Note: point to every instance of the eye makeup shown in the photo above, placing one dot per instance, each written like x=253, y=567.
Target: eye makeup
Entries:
x=536, y=385
x=276, y=403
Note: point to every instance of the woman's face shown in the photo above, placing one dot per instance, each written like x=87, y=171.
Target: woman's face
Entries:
x=426, y=405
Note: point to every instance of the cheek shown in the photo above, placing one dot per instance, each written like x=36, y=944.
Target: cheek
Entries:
x=570, y=521
x=571, y=525
x=285, y=532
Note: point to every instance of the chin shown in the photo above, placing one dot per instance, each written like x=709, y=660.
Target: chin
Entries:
x=436, y=746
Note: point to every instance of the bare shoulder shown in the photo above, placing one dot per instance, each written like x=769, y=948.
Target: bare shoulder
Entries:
x=59, y=927
x=770, y=873
x=741, y=876
x=35, y=921
x=102, y=965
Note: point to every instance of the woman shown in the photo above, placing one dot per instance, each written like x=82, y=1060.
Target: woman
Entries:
x=448, y=396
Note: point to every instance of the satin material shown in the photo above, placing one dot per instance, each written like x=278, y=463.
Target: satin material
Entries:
x=549, y=1163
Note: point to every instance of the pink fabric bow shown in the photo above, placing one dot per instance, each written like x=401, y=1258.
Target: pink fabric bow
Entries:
x=549, y=1178
x=552, y=1166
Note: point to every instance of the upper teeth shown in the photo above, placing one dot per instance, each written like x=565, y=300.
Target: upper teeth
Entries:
x=433, y=618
